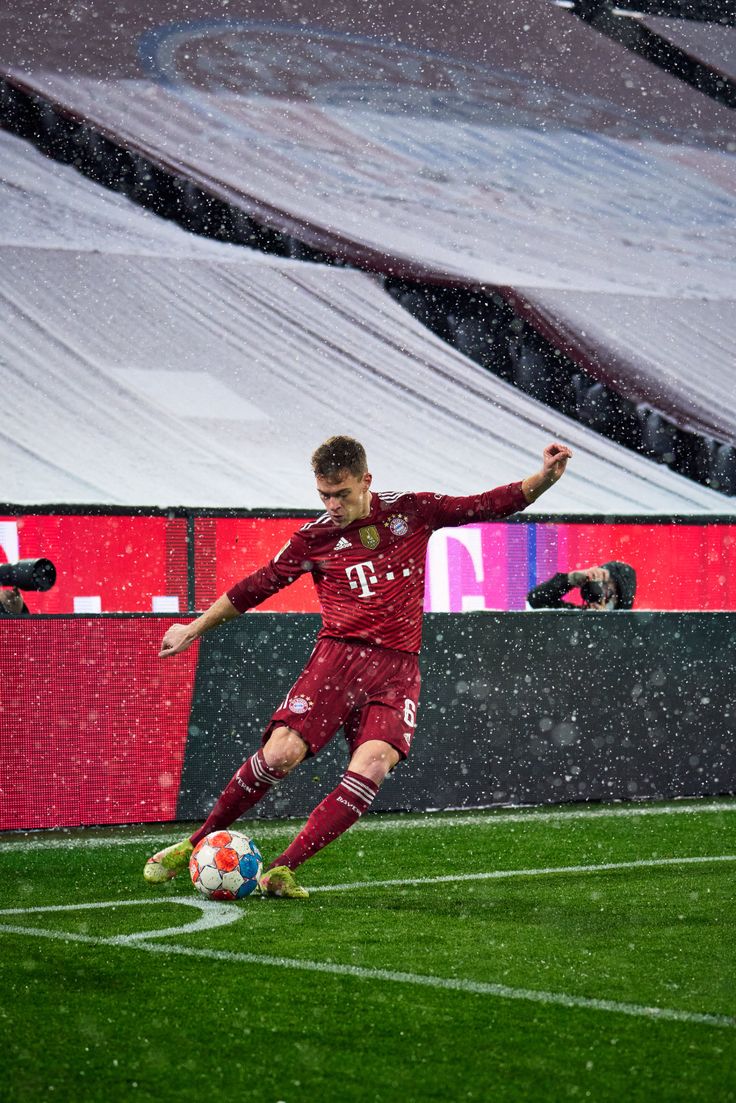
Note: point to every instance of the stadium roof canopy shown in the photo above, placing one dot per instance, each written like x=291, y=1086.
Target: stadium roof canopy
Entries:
x=145, y=367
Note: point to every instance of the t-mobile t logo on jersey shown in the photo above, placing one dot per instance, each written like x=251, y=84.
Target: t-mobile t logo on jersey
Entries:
x=365, y=579
x=361, y=570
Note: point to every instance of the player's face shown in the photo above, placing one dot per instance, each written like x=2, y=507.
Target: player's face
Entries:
x=346, y=498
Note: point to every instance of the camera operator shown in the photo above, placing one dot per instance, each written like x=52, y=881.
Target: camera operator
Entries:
x=12, y=603
x=608, y=588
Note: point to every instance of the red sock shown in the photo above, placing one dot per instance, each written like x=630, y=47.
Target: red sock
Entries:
x=335, y=814
x=246, y=787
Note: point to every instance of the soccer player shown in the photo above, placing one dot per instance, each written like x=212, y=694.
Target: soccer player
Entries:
x=366, y=555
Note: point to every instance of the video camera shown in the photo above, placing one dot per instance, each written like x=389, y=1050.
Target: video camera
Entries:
x=28, y=574
x=593, y=593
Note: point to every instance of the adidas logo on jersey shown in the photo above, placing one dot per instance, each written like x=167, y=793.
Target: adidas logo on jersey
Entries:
x=342, y=543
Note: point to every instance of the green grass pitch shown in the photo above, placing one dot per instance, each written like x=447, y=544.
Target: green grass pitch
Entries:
x=540, y=954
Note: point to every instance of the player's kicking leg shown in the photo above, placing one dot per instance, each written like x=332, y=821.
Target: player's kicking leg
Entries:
x=338, y=811
x=284, y=750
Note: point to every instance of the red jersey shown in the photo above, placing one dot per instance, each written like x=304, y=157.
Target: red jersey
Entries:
x=370, y=574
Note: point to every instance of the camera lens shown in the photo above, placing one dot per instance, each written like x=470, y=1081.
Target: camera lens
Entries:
x=592, y=593
x=28, y=574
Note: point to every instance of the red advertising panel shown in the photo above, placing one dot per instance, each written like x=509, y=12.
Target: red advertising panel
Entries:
x=493, y=566
x=122, y=563
x=104, y=564
x=237, y=546
x=679, y=567
x=94, y=723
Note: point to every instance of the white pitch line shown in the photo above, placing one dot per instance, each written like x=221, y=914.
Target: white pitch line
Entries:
x=501, y=874
x=479, y=988
x=492, y=819
x=212, y=913
x=265, y=830
x=48, y=842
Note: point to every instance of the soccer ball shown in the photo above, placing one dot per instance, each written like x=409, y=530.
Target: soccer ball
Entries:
x=225, y=865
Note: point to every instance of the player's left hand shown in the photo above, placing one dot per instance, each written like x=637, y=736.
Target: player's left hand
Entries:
x=554, y=460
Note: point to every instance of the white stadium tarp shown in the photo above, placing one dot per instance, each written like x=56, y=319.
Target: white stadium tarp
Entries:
x=142, y=380
x=683, y=366
x=52, y=206
x=509, y=200
x=475, y=142
x=145, y=367
x=711, y=44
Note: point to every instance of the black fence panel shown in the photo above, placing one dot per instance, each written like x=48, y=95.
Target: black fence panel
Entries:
x=521, y=708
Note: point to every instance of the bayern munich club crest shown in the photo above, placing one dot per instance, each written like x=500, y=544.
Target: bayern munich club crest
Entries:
x=300, y=704
x=398, y=524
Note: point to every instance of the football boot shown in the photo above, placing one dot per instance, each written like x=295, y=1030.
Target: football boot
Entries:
x=168, y=862
x=280, y=881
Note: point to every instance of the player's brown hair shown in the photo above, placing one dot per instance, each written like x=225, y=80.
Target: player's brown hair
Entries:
x=339, y=454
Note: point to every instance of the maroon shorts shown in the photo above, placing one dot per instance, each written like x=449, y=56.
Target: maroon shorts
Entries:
x=370, y=692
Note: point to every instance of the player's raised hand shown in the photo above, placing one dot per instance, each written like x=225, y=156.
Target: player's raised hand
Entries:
x=177, y=638
x=554, y=460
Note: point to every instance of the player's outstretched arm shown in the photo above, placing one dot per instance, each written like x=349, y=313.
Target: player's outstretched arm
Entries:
x=181, y=636
x=554, y=462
